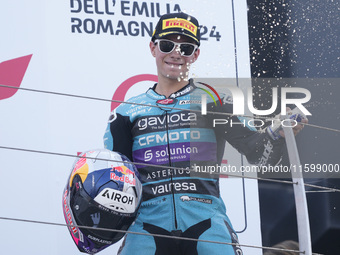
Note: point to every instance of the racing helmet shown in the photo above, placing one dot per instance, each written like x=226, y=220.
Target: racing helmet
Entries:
x=103, y=191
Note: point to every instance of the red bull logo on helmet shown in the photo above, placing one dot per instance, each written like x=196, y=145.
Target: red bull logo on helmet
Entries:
x=123, y=174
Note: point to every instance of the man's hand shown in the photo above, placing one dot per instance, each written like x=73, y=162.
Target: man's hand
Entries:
x=300, y=118
x=275, y=131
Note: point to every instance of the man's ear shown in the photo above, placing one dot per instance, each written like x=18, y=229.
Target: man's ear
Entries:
x=196, y=54
x=152, y=48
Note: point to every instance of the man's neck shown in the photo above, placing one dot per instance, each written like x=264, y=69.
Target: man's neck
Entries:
x=167, y=87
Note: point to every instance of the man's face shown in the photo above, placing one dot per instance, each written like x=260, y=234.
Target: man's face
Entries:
x=173, y=65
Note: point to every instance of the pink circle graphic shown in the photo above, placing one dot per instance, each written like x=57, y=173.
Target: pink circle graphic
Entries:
x=127, y=84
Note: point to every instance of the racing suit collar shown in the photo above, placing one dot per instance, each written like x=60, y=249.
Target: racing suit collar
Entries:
x=181, y=92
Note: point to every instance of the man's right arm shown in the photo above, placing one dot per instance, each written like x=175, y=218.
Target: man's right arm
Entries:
x=118, y=135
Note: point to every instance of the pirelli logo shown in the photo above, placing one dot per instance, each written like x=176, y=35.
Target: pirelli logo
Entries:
x=181, y=23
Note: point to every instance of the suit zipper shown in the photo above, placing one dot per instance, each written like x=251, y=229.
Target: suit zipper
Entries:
x=171, y=170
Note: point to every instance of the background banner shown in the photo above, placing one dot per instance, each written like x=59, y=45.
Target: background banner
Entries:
x=98, y=49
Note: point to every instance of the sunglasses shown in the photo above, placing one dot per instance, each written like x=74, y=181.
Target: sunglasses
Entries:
x=167, y=46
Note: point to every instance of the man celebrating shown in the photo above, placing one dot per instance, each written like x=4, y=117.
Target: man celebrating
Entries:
x=165, y=129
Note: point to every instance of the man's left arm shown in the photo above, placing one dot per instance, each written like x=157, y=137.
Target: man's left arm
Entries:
x=264, y=147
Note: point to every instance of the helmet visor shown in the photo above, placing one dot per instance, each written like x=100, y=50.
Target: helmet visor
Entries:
x=91, y=214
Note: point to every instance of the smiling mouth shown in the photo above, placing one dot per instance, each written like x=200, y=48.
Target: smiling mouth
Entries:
x=177, y=65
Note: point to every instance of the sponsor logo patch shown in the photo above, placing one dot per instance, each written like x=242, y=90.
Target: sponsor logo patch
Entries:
x=123, y=174
x=197, y=199
x=116, y=200
x=182, y=102
x=176, y=186
x=166, y=101
x=181, y=23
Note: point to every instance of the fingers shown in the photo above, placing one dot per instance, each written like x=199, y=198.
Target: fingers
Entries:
x=297, y=129
x=300, y=125
x=304, y=121
x=282, y=134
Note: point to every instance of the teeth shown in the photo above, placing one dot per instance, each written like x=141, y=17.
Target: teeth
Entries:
x=175, y=65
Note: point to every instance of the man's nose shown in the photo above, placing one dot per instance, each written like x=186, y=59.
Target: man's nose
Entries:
x=177, y=51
